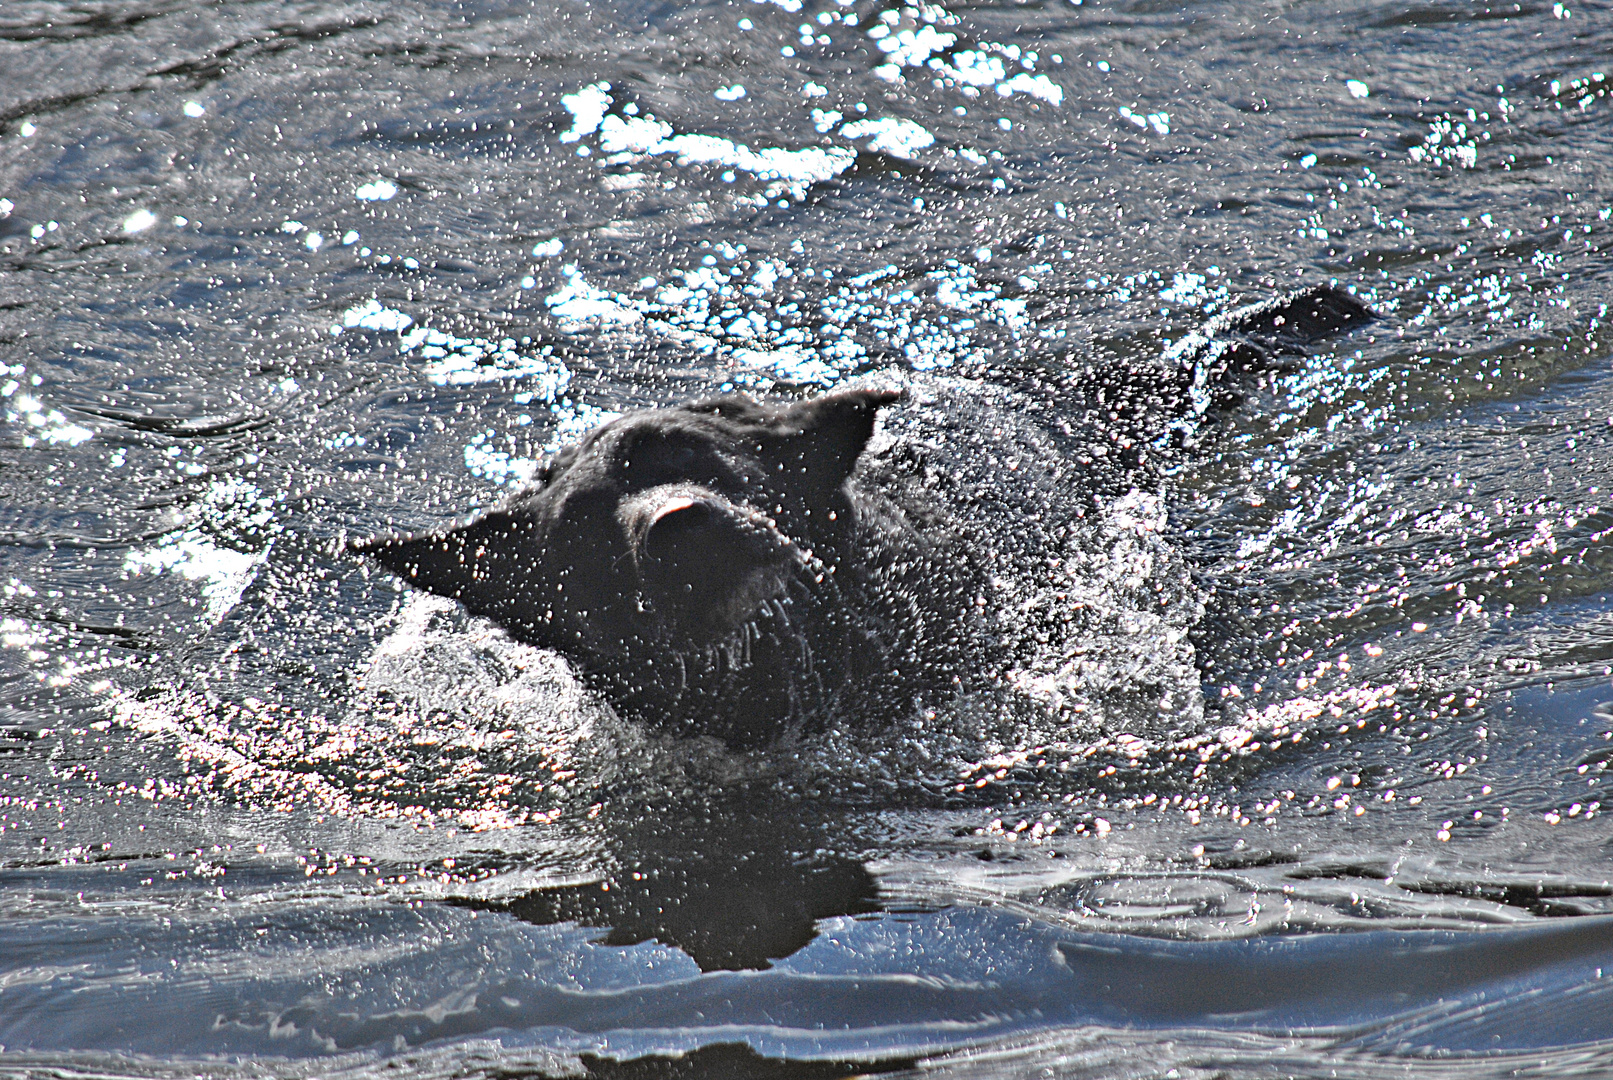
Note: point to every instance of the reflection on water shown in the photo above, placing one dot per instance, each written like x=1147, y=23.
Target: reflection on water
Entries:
x=275, y=276
x=732, y=898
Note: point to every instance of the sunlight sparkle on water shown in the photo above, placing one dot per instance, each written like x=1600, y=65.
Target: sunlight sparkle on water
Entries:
x=40, y=422
x=195, y=553
x=624, y=137
x=139, y=221
x=890, y=134
x=375, y=191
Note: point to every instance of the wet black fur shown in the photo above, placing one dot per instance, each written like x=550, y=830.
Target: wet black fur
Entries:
x=724, y=568
x=787, y=601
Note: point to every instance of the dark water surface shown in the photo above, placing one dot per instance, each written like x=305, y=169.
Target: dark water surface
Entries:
x=272, y=274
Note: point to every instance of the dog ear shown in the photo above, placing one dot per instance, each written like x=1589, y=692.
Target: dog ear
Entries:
x=448, y=563
x=436, y=562
x=816, y=443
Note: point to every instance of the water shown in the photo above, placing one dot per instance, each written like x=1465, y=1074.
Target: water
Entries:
x=276, y=274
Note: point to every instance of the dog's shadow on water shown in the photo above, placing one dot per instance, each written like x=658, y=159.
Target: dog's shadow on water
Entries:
x=733, y=886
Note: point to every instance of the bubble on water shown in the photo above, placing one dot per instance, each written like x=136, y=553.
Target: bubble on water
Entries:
x=1014, y=314
x=1188, y=289
x=27, y=129
x=729, y=93
x=737, y=314
x=20, y=633
x=292, y=226
x=452, y=360
x=548, y=249
x=344, y=440
x=796, y=168
x=573, y=421
x=889, y=134
x=139, y=221
x=813, y=90
x=633, y=135
x=977, y=68
x=958, y=288
x=375, y=191
x=794, y=363
x=1357, y=88
x=195, y=109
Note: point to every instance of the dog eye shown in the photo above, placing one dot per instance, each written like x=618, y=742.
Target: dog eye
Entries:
x=665, y=456
x=662, y=460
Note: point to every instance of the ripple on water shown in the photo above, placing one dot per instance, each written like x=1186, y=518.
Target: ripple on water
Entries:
x=257, y=803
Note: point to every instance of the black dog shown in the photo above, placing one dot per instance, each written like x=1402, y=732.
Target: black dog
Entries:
x=740, y=569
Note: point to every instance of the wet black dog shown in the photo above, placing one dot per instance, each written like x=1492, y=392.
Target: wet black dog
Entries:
x=739, y=569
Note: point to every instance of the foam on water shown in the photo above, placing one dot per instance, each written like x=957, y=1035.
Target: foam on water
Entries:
x=1104, y=649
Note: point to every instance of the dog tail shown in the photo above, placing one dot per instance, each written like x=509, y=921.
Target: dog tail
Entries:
x=1256, y=337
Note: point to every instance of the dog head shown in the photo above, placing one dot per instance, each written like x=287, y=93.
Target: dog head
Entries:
x=675, y=525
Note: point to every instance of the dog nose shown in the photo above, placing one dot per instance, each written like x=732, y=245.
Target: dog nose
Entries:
x=677, y=522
